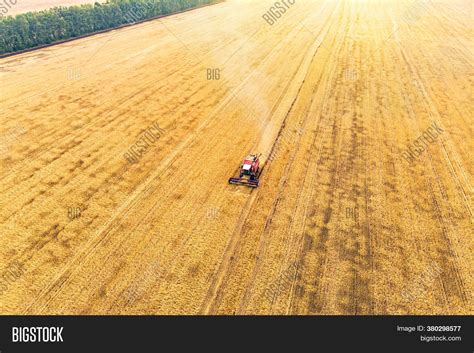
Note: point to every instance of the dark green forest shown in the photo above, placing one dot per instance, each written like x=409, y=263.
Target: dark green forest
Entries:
x=33, y=29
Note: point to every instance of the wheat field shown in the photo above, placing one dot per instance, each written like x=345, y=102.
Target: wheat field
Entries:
x=333, y=94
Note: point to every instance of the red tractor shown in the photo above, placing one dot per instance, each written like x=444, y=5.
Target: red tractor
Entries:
x=249, y=172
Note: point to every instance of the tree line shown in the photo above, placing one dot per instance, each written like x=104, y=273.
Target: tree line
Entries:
x=32, y=29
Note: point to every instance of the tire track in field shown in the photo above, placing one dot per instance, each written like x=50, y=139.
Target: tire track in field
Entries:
x=306, y=248
x=284, y=180
x=451, y=261
x=210, y=301
x=267, y=170
x=295, y=290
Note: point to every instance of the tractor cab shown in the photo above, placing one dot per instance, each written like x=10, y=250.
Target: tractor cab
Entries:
x=249, y=165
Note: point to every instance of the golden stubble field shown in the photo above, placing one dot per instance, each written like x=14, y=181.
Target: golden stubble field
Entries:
x=332, y=94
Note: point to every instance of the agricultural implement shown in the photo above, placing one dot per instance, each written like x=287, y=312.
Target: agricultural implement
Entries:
x=249, y=172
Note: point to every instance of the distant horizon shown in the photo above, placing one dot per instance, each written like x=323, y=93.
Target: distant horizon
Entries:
x=23, y=6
